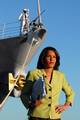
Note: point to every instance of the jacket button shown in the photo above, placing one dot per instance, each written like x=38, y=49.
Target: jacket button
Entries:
x=49, y=105
x=50, y=89
x=49, y=97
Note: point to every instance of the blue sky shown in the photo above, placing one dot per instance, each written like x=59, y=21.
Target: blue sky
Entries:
x=62, y=21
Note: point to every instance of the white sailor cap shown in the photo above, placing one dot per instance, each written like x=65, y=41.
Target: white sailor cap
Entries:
x=25, y=10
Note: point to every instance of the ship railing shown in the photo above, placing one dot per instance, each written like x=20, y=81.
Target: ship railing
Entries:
x=8, y=30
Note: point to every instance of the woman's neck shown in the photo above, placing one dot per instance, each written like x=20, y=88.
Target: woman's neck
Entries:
x=49, y=72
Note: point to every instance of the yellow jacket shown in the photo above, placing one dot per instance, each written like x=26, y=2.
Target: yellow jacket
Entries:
x=47, y=108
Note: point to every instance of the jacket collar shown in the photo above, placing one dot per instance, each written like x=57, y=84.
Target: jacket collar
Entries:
x=53, y=77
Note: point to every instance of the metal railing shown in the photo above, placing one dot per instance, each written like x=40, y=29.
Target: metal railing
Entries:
x=8, y=30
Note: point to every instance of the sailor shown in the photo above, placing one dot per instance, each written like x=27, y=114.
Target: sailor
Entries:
x=24, y=19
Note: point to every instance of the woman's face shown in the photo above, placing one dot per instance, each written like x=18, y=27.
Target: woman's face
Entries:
x=50, y=59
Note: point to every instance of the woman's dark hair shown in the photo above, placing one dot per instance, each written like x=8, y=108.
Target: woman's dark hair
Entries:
x=41, y=62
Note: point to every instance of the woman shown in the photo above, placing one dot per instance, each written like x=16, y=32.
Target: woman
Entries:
x=47, y=107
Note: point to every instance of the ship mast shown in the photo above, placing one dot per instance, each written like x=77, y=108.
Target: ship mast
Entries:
x=39, y=12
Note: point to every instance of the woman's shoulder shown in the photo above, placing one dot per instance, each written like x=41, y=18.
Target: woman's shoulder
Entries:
x=35, y=72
